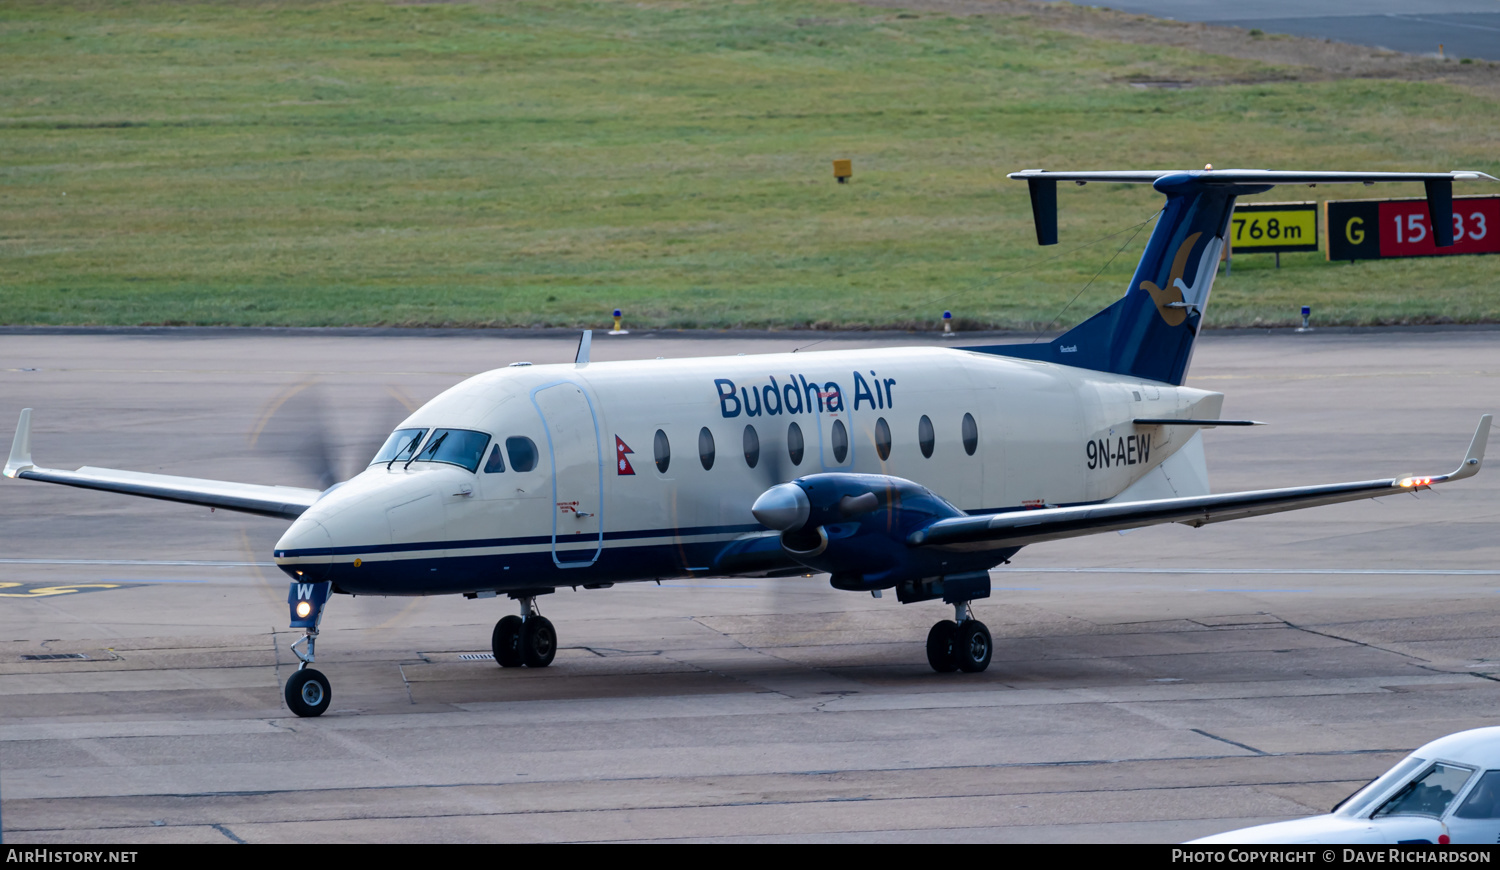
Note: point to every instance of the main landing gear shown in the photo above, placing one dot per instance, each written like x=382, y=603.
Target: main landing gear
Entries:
x=528, y=639
x=959, y=644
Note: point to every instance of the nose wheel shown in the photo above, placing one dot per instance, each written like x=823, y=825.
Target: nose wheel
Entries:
x=307, y=692
x=528, y=639
x=962, y=645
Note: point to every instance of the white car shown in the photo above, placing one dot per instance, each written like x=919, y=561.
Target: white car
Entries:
x=1445, y=792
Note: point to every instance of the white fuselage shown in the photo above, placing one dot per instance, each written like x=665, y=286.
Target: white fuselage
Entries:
x=1041, y=434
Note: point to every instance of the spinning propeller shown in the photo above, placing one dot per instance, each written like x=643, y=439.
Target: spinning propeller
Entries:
x=295, y=425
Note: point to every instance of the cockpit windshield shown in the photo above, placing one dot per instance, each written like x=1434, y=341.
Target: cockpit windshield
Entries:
x=461, y=447
x=400, y=446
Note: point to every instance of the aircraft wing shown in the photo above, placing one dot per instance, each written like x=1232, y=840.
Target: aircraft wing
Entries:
x=286, y=502
x=1051, y=524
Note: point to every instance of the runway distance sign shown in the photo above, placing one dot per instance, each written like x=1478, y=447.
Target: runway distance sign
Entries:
x=1274, y=227
x=1373, y=229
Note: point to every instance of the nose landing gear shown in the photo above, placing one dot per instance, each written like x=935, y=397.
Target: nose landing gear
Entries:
x=307, y=691
x=960, y=644
x=528, y=639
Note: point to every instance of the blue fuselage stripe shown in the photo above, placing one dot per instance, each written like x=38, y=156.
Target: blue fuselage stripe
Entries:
x=533, y=540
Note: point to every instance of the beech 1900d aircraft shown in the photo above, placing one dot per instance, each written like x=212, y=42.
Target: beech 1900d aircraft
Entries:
x=913, y=469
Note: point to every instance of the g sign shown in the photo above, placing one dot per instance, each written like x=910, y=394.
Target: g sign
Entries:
x=1370, y=229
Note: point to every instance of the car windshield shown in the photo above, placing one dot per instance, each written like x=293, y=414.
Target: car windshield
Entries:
x=462, y=447
x=1429, y=794
x=400, y=446
x=1354, y=805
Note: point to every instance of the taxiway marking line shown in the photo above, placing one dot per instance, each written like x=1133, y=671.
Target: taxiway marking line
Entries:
x=191, y=563
x=1413, y=572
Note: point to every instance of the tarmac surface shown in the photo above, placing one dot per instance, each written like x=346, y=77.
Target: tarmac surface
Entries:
x=1465, y=28
x=1152, y=687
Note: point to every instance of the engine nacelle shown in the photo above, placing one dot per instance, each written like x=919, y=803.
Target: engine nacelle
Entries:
x=855, y=526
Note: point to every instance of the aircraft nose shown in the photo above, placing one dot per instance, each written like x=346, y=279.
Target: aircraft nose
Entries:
x=305, y=552
x=783, y=507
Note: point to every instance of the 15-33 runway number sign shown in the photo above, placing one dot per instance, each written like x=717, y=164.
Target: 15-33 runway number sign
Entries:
x=1371, y=229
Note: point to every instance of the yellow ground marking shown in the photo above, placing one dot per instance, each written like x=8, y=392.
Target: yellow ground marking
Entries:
x=45, y=591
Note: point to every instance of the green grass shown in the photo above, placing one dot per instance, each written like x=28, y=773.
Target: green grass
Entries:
x=518, y=163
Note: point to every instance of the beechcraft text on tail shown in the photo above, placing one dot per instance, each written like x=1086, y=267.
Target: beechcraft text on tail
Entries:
x=912, y=470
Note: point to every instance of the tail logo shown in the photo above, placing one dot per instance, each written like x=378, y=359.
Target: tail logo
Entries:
x=1169, y=301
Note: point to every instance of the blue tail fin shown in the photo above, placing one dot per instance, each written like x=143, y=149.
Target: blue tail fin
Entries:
x=1149, y=332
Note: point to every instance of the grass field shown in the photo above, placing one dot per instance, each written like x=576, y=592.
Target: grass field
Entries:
x=516, y=163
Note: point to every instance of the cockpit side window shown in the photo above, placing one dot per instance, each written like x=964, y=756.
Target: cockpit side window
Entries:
x=496, y=463
x=400, y=446
x=522, y=452
x=1484, y=801
x=461, y=447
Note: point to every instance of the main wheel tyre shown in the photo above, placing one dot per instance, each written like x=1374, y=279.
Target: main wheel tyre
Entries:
x=538, y=642
x=940, y=647
x=307, y=693
x=972, y=646
x=506, y=642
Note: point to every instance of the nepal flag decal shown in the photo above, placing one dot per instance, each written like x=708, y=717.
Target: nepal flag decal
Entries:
x=622, y=465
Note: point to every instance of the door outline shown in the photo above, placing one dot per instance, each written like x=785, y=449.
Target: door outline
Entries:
x=552, y=457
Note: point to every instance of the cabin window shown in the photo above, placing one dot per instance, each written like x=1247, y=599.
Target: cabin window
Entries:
x=496, y=463
x=925, y=436
x=883, y=439
x=663, y=450
x=752, y=446
x=794, y=443
x=706, y=448
x=461, y=447
x=400, y=446
x=522, y=452
x=840, y=438
x=971, y=434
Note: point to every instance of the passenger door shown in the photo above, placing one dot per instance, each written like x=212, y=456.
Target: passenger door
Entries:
x=572, y=428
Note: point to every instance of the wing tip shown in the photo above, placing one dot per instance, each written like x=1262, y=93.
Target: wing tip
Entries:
x=20, y=448
x=1474, y=458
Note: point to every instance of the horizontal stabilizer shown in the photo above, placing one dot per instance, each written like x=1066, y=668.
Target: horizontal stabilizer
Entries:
x=286, y=502
x=1051, y=524
x=1438, y=185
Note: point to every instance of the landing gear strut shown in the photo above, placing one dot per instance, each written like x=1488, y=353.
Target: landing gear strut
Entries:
x=959, y=644
x=528, y=639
